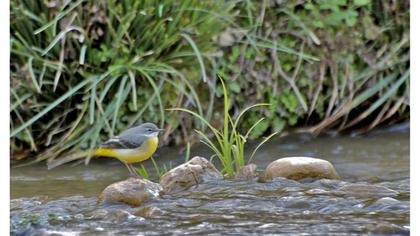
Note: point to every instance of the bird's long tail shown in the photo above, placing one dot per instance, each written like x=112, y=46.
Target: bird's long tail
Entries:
x=72, y=157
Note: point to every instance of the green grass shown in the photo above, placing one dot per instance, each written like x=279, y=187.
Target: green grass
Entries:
x=104, y=82
x=229, y=145
x=160, y=170
x=85, y=70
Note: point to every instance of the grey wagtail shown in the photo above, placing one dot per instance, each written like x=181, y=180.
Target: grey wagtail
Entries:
x=136, y=144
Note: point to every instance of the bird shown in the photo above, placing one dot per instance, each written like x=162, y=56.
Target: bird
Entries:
x=133, y=145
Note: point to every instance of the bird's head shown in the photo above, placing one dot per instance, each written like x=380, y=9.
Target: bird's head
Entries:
x=149, y=130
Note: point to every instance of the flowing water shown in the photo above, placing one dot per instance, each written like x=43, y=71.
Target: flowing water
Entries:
x=63, y=201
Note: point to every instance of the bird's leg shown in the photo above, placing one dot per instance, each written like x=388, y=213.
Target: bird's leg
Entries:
x=133, y=172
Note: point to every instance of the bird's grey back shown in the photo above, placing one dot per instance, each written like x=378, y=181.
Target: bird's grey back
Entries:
x=130, y=138
x=133, y=136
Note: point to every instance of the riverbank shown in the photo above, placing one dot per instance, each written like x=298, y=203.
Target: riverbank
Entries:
x=82, y=73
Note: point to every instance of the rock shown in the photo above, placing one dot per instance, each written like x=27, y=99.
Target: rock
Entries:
x=366, y=190
x=149, y=211
x=300, y=168
x=132, y=191
x=386, y=201
x=246, y=172
x=386, y=229
x=98, y=214
x=317, y=191
x=114, y=215
x=193, y=172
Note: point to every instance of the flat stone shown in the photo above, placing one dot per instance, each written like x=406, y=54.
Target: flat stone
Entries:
x=133, y=191
x=299, y=168
x=247, y=172
x=197, y=170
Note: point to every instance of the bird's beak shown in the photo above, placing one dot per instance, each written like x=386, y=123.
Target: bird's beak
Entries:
x=161, y=130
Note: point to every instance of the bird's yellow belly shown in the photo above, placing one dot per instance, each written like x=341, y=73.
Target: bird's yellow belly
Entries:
x=142, y=153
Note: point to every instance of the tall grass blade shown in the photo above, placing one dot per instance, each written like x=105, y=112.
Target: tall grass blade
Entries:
x=32, y=74
x=50, y=107
x=259, y=145
x=199, y=57
x=156, y=91
x=118, y=102
x=58, y=17
x=133, y=88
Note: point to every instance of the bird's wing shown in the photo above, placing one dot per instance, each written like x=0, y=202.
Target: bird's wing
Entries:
x=131, y=137
x=120, y=143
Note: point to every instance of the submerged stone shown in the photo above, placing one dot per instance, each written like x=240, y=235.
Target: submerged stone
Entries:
x=386, y=201
x=112, y=215
x=148, y=211
x=299, y=168
x=197, y=170
x=132, y=191
x=246, y=172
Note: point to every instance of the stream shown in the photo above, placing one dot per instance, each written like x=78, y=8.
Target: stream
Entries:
x=63, y=201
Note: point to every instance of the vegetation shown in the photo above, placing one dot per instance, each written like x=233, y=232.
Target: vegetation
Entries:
x=160, y=170
x=82, y=71
x=230, y=144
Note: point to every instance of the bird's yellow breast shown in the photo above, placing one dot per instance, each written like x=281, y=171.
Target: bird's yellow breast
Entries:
x=144, y=152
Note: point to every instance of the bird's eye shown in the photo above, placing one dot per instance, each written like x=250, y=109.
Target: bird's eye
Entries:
x=149, y=130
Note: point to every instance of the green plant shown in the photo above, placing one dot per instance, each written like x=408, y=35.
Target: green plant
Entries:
x=82, y=71
x=142, y=171
x=230, y=143
x=335, y=52
x=105, y=66
x=160, y=170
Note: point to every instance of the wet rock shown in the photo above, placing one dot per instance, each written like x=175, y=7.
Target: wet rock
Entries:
x=386, y=201
x=366, y=190
x=114, y=215
x=317, y=191
x=119, y=215
x=79, y=217
x=193, y=172
x=328, y=183
x=98, y=214
x=149, y=211
x=386, y=229
x=300, y=168
x=25, y=203
x=247, y=172
x=133, y=191
x=387, y=204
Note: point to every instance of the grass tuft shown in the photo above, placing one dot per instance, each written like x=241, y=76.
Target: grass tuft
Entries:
x=229, y=145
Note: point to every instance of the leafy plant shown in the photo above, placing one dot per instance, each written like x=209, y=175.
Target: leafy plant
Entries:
x=230, y=143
